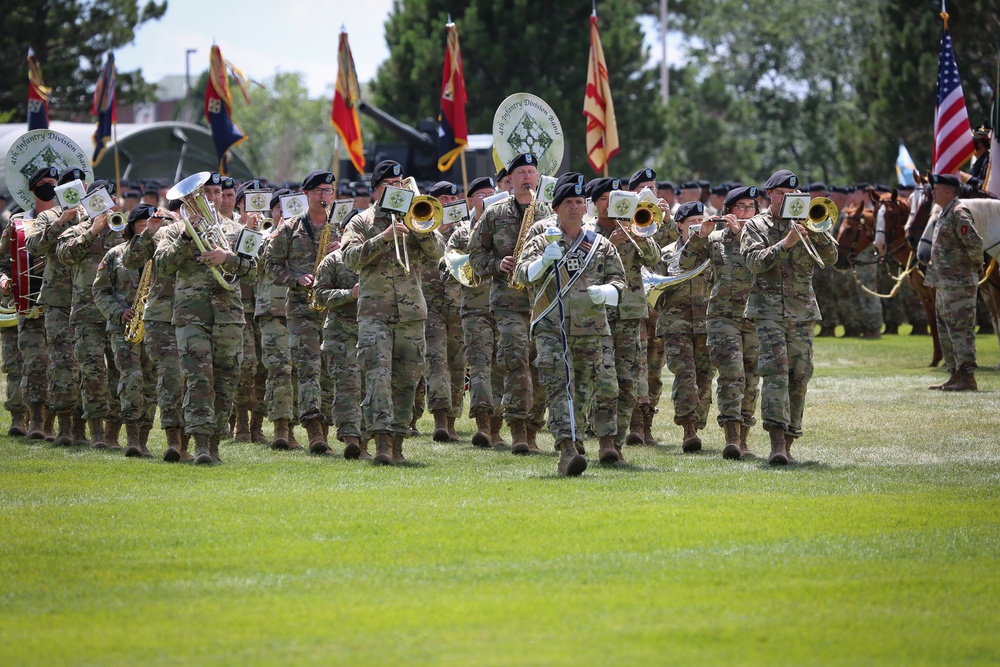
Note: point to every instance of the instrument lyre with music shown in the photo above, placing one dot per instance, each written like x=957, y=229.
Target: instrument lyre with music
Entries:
x=820, y=219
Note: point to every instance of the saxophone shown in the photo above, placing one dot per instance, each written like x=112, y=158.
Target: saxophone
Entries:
x=324, y=241
x=135, y=330
x=522, y=235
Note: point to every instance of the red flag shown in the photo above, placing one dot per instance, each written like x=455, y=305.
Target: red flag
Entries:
x=453, y=133
x=344, y=116
x=38, y=96
x=952, y=132
x=598, y=108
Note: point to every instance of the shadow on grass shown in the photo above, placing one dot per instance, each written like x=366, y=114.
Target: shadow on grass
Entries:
x=801, y=466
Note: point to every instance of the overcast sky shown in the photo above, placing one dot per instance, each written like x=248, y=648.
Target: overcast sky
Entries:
x=262, y=38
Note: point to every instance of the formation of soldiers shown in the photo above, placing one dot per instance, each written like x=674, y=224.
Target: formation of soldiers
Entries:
x=553, y=331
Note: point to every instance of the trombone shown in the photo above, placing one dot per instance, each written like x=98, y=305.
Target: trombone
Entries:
x=424, y=216
x=117, y=221
x=645, y=222
x=821, y=218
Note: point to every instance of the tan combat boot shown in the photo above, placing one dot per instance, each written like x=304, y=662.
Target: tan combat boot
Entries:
x=241, y=432
x=97, y=433
x=383, y=450
x=293, y=444
x=778, y=455
x=202, y=449
x=496, y=424
x=365, y=454
x=49, y=424
x=951, y=379
x=173, y=453
x=257, y=428
x=732, y=449
x=519, y=436
x=965, y=381
x=36, y=424
x=18, y=423
x=482, y=437
x=452, y=433
x=111, y=430
x=317, y=443
x=132, y=440
x=634, y=436
x=571, y=464
x=280, y=434
x=607, y=454
x=745, y=442
x=65, y=435
x=788, y=449
x=648, y=411
x=397, y=449
x=213, y=450
x=80, y=432
x=144, y=430
x=691, y=442
x=352, y=447
x=413, y=426
x=440, y=425
x=531, y=436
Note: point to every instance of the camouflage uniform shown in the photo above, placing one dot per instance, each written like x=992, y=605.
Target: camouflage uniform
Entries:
x=291, y=254
x=626, y=319
x=493, y=239
x=445, y=373
x=31, y=343
x=956, y=255
x=160, y=338
x=250, y=395
x=783, y=307
x=276, y=355
x=79, y=248
x=391, y=315
x=114, y=292
x=12, y=360
x=480, y=337
x=652, y=354
x=208, y=320
x=681, y=323
x=56, y=298
x=334, y=286
x=591, y=361
x=869, y=307
x=732, y=338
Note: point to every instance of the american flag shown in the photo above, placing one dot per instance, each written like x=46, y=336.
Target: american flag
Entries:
x=952, y=132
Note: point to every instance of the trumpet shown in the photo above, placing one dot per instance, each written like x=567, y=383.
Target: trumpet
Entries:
x=202, y=222
x=822, y=215
x=117, y=221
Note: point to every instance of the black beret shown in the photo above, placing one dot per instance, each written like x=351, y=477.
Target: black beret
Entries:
x=589, y=187
x=71, y=175
x=228, y=183
x=360, y=188
x=101, y=183
x=131, y=193
x=734, y=185
x=570, y=177
x=345, y=189
x=248, y=185
x=522, y=160
x=720, y=190
x=641, y=176
x=316, y=178
x=386, y=169
x=816, y=187
x=687, y=209
x=904, y=186
x=664, y=185
x=565, y=191
x=480, y=183
x=782, y=179
x=215, y=179
x=749, y=192
x=443, y=188
x=946, y=179
x=44, y=172
x=838, y=188
x=690, y=185
x=277, y=195
x=174, y=204
x=151, y=190
x=879, y=187
x=601, y=185
x=501, y=174
x=140, y=212
x=704, y=184
x=861, y=186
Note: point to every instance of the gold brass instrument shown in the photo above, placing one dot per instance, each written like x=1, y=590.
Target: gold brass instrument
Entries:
x=202, y=222
x=8, y=317
x=425, y=215
x=135, y=330
x=117, y=221
x=821, y=218
x=324, y=241
x=645, y=222
x=458, y=265
x=654, y=285
x=522, y=235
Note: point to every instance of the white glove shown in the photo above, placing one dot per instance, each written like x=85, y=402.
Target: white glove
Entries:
x=552, y=253
x=606, y=294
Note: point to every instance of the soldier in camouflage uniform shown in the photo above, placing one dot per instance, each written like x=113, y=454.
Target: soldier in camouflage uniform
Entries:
x=626, y=318
x=491, y=248
x=391, y=314
x=337, y=289
x=783, y=307
x=114, y=293
x=291, y=260
x=208, y=321
x=82, y=247
x=956, y=259
x=732, y=338
x=480, y=331
x=56, y=299
x=575, y=325
x=12, y=360
x=445, y=374
x=682, y=320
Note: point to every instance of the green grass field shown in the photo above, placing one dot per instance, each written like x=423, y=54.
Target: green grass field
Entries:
x=883, y=547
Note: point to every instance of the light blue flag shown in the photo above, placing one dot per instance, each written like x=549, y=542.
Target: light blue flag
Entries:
x=905, y=167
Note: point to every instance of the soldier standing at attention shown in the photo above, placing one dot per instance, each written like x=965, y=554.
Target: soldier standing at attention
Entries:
x=291, y=259
x=783, y=306
x=391, y=315
x=592, y=277
x=491, y=249
x=732, y=338
x=956, y=257
x=208, y=322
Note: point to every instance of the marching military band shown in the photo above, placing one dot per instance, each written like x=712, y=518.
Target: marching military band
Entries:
x=534, y=305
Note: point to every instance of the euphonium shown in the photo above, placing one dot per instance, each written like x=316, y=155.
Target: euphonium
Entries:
x=135, y=330
x=324, y=241
x=522, y=235
x=202, y=222
x=822, y=216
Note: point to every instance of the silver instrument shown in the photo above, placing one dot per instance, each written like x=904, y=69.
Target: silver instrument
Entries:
x=202, y=222
x=654, y=285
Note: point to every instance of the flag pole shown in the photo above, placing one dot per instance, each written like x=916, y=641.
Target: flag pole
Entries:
x=336, y=157
x=118, y=164
x=465, y=173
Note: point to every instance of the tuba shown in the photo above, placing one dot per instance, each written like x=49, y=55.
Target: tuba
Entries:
x=135, y=330
x=202, y=222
